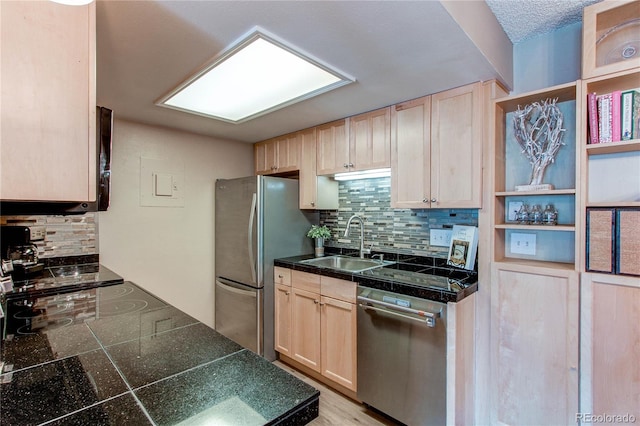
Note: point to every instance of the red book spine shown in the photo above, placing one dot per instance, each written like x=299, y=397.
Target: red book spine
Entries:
x=593, y=118
x=616, y=118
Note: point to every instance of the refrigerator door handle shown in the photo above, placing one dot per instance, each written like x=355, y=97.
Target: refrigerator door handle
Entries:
x=252, y=218
x=237, y=288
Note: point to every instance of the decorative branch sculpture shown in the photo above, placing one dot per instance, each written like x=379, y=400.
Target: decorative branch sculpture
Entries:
x=538, y=130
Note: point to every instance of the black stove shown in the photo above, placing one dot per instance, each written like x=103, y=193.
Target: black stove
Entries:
x=41, y=314
x=63, y=295
x=65, y=278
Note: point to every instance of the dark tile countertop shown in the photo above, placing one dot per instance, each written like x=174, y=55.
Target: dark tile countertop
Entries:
x=425, y=277
x=126, y=357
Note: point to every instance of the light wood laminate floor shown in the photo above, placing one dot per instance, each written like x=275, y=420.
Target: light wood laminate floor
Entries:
x=336, y=409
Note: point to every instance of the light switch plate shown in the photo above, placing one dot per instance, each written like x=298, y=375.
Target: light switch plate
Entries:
x=523, y=243
x=163, y=185
x=161, y=182
x=440, y=237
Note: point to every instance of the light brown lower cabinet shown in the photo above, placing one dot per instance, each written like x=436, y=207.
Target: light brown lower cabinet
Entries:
x=534, y=344
x=610, y=346
x=316, y=326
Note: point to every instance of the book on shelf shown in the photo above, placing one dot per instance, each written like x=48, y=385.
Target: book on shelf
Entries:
x=594, y=136
x=626, y=125
x=604, y=117
x=463, y=247
x=635, y=114
x=614, y=116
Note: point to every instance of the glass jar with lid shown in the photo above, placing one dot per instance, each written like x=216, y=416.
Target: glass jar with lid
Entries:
x=550, y=215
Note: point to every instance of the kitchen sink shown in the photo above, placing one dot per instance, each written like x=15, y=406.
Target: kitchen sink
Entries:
x=346, y=263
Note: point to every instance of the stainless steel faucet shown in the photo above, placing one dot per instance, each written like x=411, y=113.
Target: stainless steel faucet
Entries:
x=346, y=233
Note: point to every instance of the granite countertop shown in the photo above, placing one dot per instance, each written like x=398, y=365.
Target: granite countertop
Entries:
x=425, y=277
x=130, y=358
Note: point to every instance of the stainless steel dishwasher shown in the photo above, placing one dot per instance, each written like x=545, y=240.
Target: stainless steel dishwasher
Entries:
x=402, y=358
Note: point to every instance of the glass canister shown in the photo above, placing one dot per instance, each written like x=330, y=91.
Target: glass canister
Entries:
x=522, y=216
x=550, y=215
x=536, y=215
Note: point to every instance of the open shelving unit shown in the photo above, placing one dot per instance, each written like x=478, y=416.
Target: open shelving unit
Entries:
x=556, y=246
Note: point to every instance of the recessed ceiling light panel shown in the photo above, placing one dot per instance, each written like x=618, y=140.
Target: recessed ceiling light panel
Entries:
x=256, y=76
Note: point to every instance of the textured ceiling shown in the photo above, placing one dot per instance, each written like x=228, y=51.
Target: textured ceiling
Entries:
x=523, y=19
x=396, y=50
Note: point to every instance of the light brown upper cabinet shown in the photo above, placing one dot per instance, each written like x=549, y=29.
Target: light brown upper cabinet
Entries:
x=411, y=153
x=332, y=147
x=436, y=150
x=609, y=37
x=370, y=140
x=358, y=143
x=277, y=155
x=316, y=192
x=48, y=133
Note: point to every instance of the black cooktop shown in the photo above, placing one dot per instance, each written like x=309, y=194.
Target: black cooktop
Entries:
x=61, y=279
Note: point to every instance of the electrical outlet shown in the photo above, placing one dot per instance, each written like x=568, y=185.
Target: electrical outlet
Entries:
x=37, y=233
x=440, y=237
x=523, y=244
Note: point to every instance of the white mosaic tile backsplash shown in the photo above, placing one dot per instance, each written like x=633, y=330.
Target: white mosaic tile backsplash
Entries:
x=386, y=229
x=72, y=235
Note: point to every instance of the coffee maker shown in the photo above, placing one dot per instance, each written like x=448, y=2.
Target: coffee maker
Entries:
x=19, y=253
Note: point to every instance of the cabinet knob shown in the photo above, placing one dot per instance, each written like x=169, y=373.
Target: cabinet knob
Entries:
x=313, y=203
x=345, y=165
x=433, y=200
x=316, y=301
x=424, y=200
x=287, y=293
x=280, y=276
x=350, y=164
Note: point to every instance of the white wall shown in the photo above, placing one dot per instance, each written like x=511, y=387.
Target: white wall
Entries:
x=168, y=250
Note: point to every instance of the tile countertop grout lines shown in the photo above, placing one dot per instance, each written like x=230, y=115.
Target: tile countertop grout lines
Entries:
x=124, y=379
x=95, y=404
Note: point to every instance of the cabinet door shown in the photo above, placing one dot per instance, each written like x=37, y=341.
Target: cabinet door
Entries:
x=610, y=345
x=288, y=153
x=456, y=148
x=308, y=181
x=332, y=148
x=48, y=133
x=534, y=343
x=305, y=336
x=338, y=341
x=283, y=319
x=265, y=157
x=411, y=154
x=370, y=140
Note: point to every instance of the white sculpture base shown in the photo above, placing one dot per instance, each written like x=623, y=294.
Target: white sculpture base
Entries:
x=540, y=187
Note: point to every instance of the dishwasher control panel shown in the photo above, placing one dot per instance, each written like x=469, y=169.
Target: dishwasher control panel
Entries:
x=397, y=301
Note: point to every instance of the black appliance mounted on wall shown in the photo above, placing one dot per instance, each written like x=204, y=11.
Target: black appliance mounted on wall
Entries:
x=104, y=129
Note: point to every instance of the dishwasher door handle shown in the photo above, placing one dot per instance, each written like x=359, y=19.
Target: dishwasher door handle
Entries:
x=429, y=317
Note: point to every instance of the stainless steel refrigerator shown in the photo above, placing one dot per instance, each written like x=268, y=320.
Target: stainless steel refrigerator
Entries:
x=257, y=219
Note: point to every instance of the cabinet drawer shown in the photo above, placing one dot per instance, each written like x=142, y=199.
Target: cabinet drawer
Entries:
x=282, y=275
x=338, y=289
x=305, y=281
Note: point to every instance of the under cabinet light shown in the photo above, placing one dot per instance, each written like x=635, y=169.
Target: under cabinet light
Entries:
x=255, y=76
x=73, y=2
x=365, y=174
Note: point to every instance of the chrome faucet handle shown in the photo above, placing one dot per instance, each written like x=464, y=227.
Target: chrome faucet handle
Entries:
x=380, y=255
